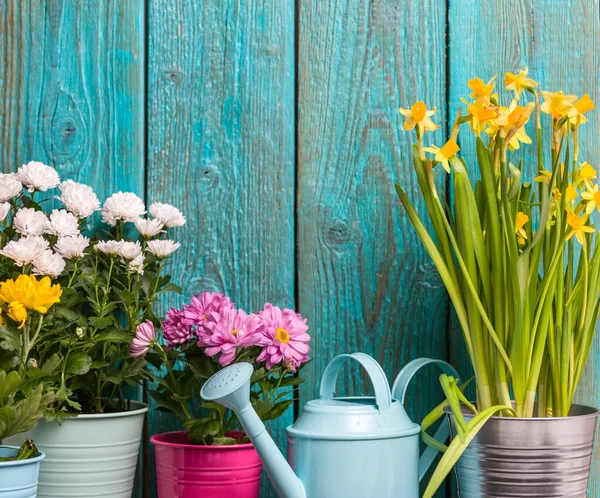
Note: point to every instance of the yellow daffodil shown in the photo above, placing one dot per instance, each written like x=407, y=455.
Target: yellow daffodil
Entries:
x=571, y=194
x=585, y=173
x=520, y=222
x=418, y=115
x=482, y=92
x=33, y=294
x=513, y=120
x=557, y=103
x=544, y=176
x=481, y=115
x=443, y=155
x=519, y=82
x=576, y=113
x=592, y=196
x=578, y=227
x=17, y=312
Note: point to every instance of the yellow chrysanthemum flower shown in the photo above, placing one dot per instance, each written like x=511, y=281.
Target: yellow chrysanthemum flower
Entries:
x=519, y=82
x=583, y=105
x=443, y=155
x=592, y=196
x=33, y=294
x=482, y=92
x=17, y=312
x=419, y=116
x=557, y=103
x=578, y=226
x=520, y=222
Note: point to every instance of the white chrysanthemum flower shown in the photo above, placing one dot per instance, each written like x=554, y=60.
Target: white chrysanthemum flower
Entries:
x=162, y=248
x=109, y=246
x=130, y=250
x=28, y=221
x=9, y=186
x=149, y=228
x=62, y=223
x=169, y=215
x=4, y=209
x=122, y=206
x=37, y=176
x=136, y=265
x=71, y=246
x=78, y=198
x=25, y=250
x=48, y=263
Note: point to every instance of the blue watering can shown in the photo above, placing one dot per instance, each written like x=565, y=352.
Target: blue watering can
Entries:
x=351, y=447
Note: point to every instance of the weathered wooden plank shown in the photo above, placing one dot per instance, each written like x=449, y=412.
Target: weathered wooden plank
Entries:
x=558, y=41
x=365, y=281
x=221, y=147
x=72, y=91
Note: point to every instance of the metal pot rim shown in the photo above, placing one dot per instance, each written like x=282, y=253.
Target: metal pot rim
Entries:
x=583, y=411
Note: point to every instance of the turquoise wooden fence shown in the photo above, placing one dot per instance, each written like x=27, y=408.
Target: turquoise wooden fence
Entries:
x=274, y=126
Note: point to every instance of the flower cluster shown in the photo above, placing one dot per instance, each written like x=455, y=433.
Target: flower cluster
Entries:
x=210, y=333
x=108, y=284
x=223, y=331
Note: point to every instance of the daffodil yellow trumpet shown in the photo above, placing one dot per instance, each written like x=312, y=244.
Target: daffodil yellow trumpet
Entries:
x=520, y=258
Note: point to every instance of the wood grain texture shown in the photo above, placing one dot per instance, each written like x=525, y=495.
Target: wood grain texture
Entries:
x=72, y=92
x=365, y=281
x=559, y=43
x=221, y=147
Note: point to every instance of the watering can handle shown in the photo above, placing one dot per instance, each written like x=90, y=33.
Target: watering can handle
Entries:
x=383, y=397
x=399, y=392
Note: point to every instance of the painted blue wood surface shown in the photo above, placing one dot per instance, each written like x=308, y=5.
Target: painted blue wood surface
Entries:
x=221, y=147
x=364, y=279
x=316, y=223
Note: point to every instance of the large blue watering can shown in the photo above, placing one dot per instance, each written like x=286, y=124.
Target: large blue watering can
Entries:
x=351, y=447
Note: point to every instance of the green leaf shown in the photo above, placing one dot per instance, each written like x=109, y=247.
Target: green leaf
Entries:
x=114, y=336
x=170, y=288
x=66, y=313
x=9, y=339
x=78, y=363
x=224, y=441
x=25, y=414
x=458, y=446
x=203, y=429
x=101, y=323
x=9, y=384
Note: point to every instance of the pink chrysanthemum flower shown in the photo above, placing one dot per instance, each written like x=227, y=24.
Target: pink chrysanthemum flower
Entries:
x=286, y=337
x=202, y=305
x=174, y=330
x=224, y=333
x=144, y=336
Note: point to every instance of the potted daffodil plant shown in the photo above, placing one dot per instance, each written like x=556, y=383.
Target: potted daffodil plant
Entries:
x=519, y=255
x=199, y=339
x=76, y=289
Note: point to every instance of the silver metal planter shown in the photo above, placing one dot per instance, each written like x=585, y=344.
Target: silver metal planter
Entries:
x=529, y=457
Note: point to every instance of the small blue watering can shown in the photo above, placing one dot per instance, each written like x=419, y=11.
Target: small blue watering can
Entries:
x=351, y=447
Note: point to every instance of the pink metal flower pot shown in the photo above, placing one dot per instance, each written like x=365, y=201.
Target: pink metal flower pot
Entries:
x=185, y=470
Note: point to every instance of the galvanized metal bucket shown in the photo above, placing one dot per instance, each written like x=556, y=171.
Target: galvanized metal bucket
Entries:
x=89, y=456
x=529, y=457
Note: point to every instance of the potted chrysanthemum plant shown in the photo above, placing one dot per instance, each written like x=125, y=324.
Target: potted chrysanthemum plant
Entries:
x=520, y=257
x=26, y=386
x=212, y=456
x=109, y=271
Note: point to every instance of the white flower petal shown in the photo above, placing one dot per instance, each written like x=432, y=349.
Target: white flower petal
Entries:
x=37, y=176
x=78, y=198
x=9, y=186
x=48, y=263
x=28, y=221
x=162, y=248
x=122, y=206
x=25, y=250
x=71, y=246
x=168, y=214
x=62, y=223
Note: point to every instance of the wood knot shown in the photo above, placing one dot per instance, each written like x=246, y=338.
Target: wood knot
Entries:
x=338, y=235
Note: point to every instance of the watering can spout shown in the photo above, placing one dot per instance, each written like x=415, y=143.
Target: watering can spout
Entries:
x=231, y=388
